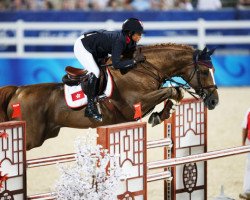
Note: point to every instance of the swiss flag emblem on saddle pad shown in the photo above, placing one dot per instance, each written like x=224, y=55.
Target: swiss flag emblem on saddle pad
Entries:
x=76, y=98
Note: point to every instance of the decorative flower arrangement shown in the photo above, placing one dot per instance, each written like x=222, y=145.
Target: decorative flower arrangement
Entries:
x=94, y=176
x=2, y=178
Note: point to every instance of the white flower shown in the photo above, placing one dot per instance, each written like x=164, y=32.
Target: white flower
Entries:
x=87, y=177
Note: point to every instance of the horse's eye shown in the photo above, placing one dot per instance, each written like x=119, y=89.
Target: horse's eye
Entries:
x=206, y=73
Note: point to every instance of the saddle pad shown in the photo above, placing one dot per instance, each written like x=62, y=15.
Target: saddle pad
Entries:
x=75, y=97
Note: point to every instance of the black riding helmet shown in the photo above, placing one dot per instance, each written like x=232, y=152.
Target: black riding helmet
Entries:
x=132, y=25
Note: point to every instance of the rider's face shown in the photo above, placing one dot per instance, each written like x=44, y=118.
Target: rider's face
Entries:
x=136, y=37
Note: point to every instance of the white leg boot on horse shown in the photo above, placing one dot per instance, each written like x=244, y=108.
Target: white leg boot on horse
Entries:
x=91, y=110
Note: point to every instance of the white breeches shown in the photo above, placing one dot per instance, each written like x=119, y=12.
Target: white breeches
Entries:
x=246, y=185
x=85, y=58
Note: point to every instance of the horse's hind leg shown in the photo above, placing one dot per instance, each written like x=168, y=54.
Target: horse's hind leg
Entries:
x=38, y=137
x=52, y=132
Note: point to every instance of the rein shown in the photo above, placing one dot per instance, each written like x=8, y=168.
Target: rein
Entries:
x=200, y=92
x=147, y=66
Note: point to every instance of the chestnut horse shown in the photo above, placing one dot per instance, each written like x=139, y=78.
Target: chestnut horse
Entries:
x=45, y=111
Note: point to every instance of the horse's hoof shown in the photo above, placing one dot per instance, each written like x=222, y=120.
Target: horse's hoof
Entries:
x=157, y=120
x=151, y=118
x=154, y=119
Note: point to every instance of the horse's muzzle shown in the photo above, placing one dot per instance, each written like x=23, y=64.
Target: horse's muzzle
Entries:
x=211, y=102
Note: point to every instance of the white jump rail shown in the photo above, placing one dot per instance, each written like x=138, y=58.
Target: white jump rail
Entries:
x=198, y=157
x=43, y=196
x=63, y=158
x=166, y=142
x=159, y=176
x=201, y=39
x=51, y=160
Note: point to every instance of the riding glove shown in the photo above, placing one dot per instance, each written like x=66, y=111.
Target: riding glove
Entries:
x=139, y=58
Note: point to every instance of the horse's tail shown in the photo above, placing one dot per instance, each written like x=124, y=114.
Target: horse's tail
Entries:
x=6, y=94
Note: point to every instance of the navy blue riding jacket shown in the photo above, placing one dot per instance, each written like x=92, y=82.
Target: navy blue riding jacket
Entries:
x=101, y=43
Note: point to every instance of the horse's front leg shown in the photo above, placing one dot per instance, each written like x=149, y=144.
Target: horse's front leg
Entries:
x=158, y=117
x=176, y=94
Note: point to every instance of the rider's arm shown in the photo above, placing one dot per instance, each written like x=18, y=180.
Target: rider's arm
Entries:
x=117, y=50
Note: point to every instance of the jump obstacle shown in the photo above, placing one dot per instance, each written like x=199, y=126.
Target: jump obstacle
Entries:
x=184, y=167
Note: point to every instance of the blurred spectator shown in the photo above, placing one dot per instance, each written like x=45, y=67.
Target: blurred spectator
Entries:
x=48, y=5
x=243, y=4
x=3, y=5
x=184, y=5
x=31, y=5
x=229, y=3
x=126, y=4
x=18, y=5
x=167, y=4
x=67, y=5
x=209, y=4
x=99, y=4
x=39, y=5
x=115, y=5
x=140, y=5
x=156, y=4
x=81, y=5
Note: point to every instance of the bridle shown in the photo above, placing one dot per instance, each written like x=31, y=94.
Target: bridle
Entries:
x=200, y=91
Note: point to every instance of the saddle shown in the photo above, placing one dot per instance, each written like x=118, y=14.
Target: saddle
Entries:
x=75, y=76
x=75, y=73
x=75, y=83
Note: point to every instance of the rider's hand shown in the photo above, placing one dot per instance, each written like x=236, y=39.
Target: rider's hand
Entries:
x=140, y=58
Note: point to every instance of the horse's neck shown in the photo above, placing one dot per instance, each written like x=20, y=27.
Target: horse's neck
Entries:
x=168, y=60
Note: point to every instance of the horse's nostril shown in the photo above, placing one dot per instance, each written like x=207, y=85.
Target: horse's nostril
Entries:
x=214, y=102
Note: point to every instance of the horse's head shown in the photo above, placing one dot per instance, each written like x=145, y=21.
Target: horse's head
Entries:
x=166, y=61
x=200, y=76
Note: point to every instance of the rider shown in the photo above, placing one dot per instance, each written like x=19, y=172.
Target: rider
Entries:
x=93, y=47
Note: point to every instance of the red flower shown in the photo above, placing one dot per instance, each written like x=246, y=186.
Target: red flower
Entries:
x=2, y=179
x=3, y=135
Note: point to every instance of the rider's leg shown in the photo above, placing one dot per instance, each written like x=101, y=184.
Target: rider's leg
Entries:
x=91, y=110
x=87, y=60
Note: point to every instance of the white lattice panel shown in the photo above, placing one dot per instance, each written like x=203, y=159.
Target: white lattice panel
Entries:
x=129, y=141
x=13, y=159
x=188, y=132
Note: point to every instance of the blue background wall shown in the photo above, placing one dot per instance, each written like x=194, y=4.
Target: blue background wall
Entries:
x=82, y=16
x=230, y=70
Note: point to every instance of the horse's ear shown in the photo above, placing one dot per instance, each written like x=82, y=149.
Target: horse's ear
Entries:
x=196, y=55
x=211, y=51
x=204, y=51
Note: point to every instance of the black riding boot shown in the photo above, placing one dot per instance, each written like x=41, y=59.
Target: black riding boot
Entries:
x=91, y=111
